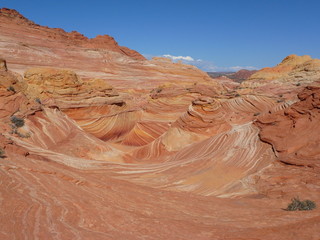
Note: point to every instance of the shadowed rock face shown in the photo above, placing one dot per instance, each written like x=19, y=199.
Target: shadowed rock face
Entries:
x=172, y=158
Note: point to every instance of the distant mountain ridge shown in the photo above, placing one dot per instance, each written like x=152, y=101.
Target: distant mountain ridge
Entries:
x=238, y=76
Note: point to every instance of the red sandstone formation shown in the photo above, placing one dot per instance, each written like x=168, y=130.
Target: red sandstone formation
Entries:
x=100, y=57
x=287, y=78
x=12, y=17
x=242, y=75
x=294, y=132
x=102, y=156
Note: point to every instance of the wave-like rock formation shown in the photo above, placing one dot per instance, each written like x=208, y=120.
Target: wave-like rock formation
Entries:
x=149, y=149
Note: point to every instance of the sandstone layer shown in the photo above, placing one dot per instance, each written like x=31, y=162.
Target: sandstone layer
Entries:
x=293, y=134
x=286, y=79
x=284, y=129
x=149, y=149
x=100, y=57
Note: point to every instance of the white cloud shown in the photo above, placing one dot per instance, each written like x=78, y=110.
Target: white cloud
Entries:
x=204, y=65
x=175, y=58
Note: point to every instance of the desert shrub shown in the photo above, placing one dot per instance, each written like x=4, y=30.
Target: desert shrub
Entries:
x=2, y=153
x=237, y=95
x=11, y=89
x=18, y=122
x=298, y=84
x=37, y=100
x=256, y=114
x=158, y=90
x=297, y=205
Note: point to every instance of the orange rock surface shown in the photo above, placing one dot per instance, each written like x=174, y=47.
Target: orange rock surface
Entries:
x=294, y=132
x=100, y=57
x=148, y=149
x=287, y=78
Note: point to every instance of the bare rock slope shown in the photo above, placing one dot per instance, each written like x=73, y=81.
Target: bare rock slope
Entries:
x=287, y=78
x=147, y=149
x=100, y=57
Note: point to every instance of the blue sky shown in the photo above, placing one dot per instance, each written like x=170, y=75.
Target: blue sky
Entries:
x=214, y=35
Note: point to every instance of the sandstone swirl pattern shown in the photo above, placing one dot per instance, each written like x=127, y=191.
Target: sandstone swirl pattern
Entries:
x=120, y=147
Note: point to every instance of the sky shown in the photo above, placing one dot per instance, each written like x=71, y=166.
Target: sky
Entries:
x=214, y=35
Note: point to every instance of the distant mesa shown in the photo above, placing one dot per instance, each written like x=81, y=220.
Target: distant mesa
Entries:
x=238, y=76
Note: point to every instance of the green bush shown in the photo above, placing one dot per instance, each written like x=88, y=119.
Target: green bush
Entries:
x=18, y=122
x=297, y=205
